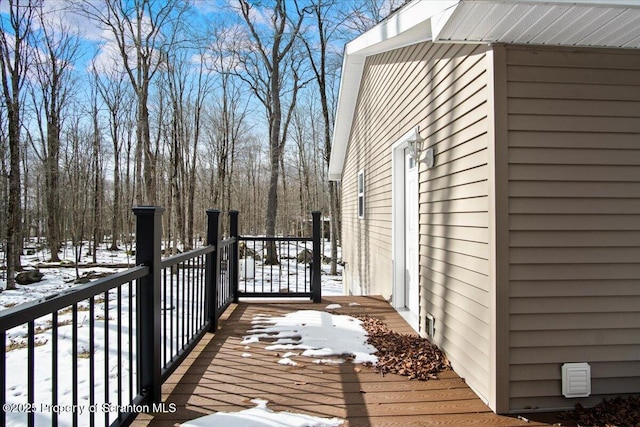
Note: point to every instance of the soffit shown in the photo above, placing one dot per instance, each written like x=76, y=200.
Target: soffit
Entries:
x=614, y=24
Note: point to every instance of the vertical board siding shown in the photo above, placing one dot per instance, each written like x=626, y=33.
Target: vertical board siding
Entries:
x=574, y=229
x=442, y=88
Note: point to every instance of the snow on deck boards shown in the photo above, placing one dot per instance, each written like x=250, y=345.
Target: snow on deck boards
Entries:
x=222, y=374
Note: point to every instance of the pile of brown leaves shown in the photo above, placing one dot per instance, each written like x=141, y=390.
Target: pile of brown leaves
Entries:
x=618, y=412
x=403, y=354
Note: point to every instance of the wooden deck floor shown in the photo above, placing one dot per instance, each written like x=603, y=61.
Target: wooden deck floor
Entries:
x=215, y=377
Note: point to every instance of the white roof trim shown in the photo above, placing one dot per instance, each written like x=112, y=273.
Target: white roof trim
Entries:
x=586, y=23
x=408, y=26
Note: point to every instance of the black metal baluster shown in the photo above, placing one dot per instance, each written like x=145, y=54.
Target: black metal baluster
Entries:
x=289, y=265
x=30, y=370
x=203, y=289
x=54, y=366
x=192, y=284
x=200, y=304
x=92, y=367
x=187, y=319
x=173, y=315
x=3, y=375
x=119, y=344
x=106, y=356
x=74, y=361
x=316, y=270
x=255, y=266
x=164, y=318
x=131, y=344
x=184, y=297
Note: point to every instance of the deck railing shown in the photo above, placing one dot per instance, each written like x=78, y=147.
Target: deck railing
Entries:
x=99, y=353
x=294, y=270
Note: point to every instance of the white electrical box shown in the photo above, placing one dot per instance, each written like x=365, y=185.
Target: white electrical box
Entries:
x=430, y=325
x=576, y=380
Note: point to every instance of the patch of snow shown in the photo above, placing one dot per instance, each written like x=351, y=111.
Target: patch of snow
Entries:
x=328, y=361
x=318, y=334
x=333, y=307
x=261, y=416
x=247, y=354
x=287, y=361
x=250, y=339
x=353, y=304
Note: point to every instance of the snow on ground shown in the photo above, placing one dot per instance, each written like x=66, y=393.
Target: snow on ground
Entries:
x=261, y=416
x=292, y=274
x=59, y=278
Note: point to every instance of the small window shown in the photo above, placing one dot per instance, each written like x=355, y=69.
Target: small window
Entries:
x=361, y=194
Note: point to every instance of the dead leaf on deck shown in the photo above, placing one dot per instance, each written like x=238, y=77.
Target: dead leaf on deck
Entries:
x=403, y=354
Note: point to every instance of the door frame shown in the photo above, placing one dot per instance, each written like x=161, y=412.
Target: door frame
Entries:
x=398, y=225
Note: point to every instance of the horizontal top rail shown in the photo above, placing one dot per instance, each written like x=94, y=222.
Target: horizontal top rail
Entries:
x=276, y=239
x=28, y=311
x=227, y=242
x=178, y=258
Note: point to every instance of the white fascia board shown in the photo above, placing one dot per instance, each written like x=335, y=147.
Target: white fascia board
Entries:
x=384, y=36
x=408, y=26
x=347, y=95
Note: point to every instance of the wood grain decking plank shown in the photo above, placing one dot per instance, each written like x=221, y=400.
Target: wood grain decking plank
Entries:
x=216, y=377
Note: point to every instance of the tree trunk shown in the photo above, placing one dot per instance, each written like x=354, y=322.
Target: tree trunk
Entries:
x=96, y=185
x=271, y=257
x=115, y=218
x=149, y=163
x=13, y=211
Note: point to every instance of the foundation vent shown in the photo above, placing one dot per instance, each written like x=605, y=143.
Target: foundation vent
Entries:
x=576, y=380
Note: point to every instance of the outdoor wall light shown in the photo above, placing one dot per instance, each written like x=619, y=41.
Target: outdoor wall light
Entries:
x=415, y=146
x=426, y=156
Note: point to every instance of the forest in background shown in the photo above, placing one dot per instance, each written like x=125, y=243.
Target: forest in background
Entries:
x=186, y=104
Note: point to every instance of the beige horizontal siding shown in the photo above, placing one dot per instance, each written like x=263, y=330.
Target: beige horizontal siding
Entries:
x=385, y=110
x=442, y=88
x=454, y=209
x=574, y=221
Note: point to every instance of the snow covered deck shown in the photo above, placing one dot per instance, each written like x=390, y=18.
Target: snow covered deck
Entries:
x=225, y=374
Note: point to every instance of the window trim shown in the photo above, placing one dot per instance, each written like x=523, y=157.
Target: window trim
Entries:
x=361, y=185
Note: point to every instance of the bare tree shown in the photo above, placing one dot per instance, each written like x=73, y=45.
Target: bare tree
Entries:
x=230, y=111
x=200, y=91
x=4, y=174
x=358, y=16
x=270, y=58
x=325, y=71
x=15, y=29
x=58, y=48
x=77, y=172
x=98, y=182
x=141, y=30
x=114, y=95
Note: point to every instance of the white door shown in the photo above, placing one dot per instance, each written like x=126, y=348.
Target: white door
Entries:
x=412, y=235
